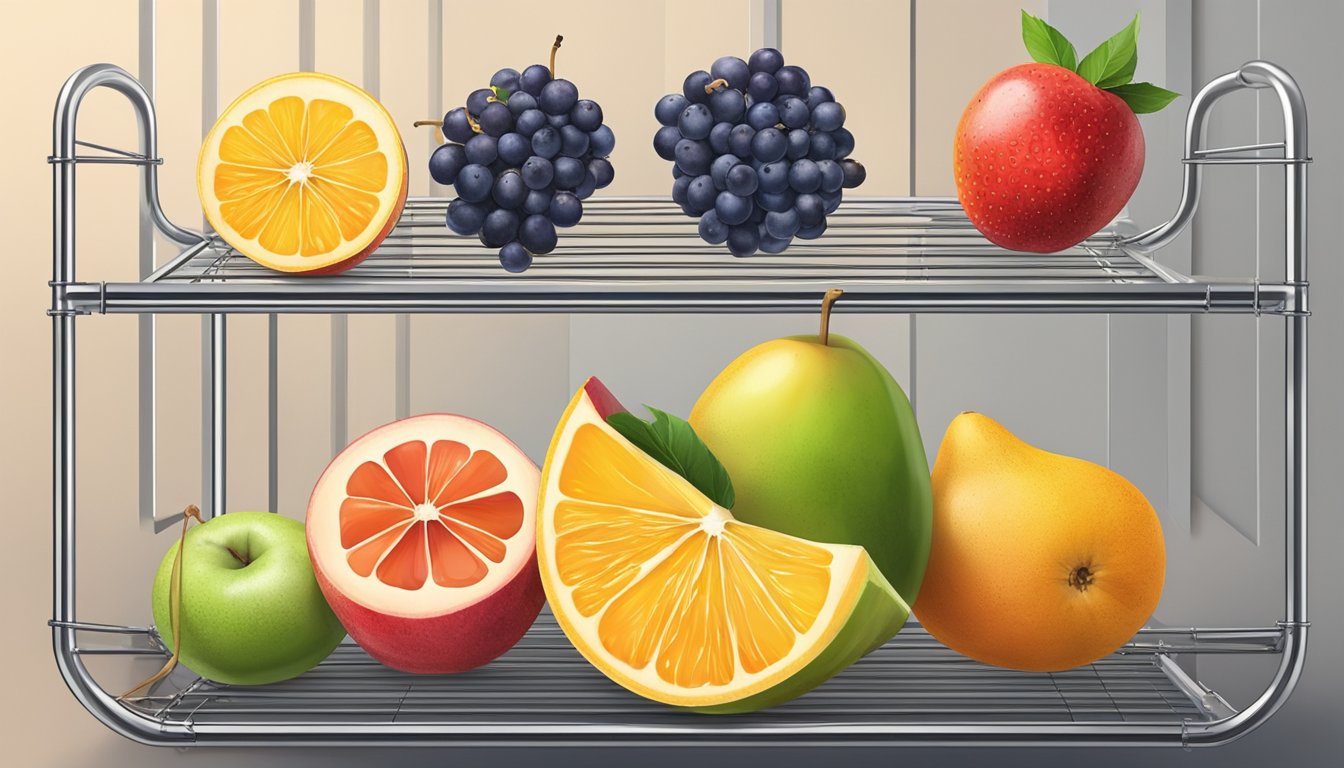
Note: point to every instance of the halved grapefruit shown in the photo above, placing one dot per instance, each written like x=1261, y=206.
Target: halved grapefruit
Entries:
x=669, y=596
x=303, y=173
x=421, y=534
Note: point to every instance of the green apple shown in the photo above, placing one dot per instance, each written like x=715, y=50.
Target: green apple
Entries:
x=821, y=443
x=251, y=610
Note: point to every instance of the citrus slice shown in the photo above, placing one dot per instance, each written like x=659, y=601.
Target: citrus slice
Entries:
x=669, y=596
x=303, y=173
x=422, y=538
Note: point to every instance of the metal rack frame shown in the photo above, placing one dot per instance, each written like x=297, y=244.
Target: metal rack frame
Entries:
x=896, y=255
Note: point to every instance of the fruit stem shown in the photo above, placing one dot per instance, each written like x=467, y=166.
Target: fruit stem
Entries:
x=174, y=605
x=715, y=85
x=555, y=47
x=826, y=302
x=237, y=556
x=475, y=126
x=1081, y=578
x=438, y=127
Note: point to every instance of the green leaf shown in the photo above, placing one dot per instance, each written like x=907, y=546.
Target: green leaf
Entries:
x=1046, y=44
x=501, y=94
x=1144, y=97
x=674, y=444
x=1113, y=62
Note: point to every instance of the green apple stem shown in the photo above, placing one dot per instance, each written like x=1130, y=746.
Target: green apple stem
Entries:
x=174, y=604
x=826, y=302
x=715, y=85
x=237, y=556
x=555, y=47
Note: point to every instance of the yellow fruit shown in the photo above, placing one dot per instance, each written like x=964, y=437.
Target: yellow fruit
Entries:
x=669, y=596
x=303, y=173
x=1039, y=562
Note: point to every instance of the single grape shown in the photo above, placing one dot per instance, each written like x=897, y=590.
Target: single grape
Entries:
x=743, y=240
x=822, y=147
x=669, y=108
x=586, y=187
x=694, y=157
x=509, y=190
x=782, y=223
x=727, y=105
x=514, y=149
x=446, y=162
x=712, y=230
x=818, y=95
x=665, y=142
x=772, y=244
x=456, y=126
x=739, y=140
x=773, y=177
x=812, y=233
x=742, y=180
x=586, y=115
x=520, y=102
x=701, y=194
x=529, y=122
x=680, y=187
x=557, y=121
x=811, y=211
x=793, y=81
x=506, y=78
x=794, y=112
x=776, y=201
x=832, y=176
x=718, y=170
x=534, y=78
x=800, y=141
x=695, y=122
x=831, y=201
x=693, y=88
x=757, y=215
x=762, y=115
x=767, y=60
x=769, y=145
x=602, y=172
x=514, y=257
x=854, y=173
x=568, y=172
x=478, y=100
x=482, y=149
x=718, y=138
x=732, y=69
x=501, y=226
x=573, y=142
x=601, y=141
x=565, y=209
x=762, y=87
x=804, y=176
x=733, y=209
x=538, y=172
x=844, y=143
x=546, y=142
x=473, y=183
x=828, y=116
x=677, y=173
x=538, y=201
x=465, y=218
x=558, y=97
x=537, y=234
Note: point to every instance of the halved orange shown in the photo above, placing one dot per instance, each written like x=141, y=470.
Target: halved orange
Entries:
x=303, y=173
x=669, y=596
x=422, y=536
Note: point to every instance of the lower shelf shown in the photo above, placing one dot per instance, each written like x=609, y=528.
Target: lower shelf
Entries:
x=911, y=690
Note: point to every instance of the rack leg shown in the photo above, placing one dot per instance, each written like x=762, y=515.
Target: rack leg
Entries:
x=217, y=423
x=63, y=473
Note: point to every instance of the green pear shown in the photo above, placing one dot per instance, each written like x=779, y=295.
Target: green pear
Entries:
x=821, y=443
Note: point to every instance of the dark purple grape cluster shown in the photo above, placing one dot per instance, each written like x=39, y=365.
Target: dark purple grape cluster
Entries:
x=759, y=153
x=522, y=155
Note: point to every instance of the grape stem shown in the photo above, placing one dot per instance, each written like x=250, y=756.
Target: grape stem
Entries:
x=475, y=126
x=438, y=127
x=555, y=47
x=826, y=302
x=715, y=85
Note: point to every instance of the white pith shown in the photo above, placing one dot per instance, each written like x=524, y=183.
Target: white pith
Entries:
x=329, y=556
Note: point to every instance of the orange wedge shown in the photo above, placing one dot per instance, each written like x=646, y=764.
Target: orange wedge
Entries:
x=303, y=173
x=669, y=596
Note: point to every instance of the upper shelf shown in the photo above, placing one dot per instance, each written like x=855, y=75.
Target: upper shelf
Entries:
x=644, y=255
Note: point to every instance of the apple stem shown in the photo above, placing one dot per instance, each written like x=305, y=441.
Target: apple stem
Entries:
x=826, y=302
x=715, y=85
x=555, y=47
x=237, y=556
x=174, y=605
